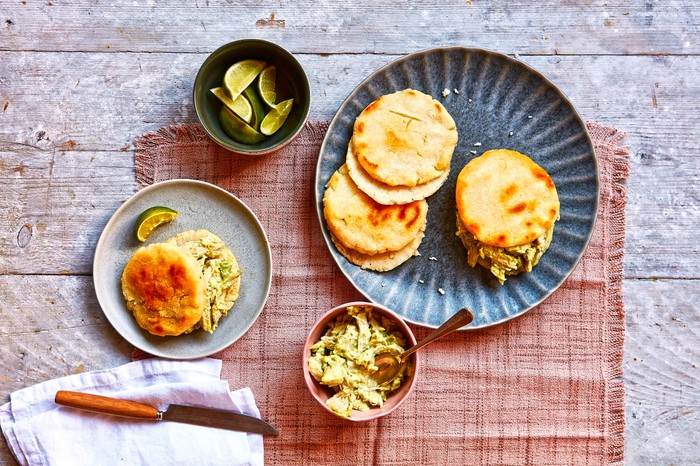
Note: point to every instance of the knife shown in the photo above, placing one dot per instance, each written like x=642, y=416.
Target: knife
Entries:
x=208, y=417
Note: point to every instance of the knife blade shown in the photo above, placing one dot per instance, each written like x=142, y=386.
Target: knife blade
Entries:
x=207, y=417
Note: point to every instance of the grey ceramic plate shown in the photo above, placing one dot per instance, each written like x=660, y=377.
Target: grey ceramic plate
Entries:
x=201, y=206
x=497, y=96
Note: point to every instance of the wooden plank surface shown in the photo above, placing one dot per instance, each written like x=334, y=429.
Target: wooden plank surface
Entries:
x=78, y=141
x=79, y=81
x=71, y=335
x=383, y=26
x=662, y=372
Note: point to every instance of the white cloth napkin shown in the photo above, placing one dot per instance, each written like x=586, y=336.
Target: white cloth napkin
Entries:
x=40, y=432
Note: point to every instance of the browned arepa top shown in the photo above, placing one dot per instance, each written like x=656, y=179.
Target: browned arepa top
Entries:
x=505, y=199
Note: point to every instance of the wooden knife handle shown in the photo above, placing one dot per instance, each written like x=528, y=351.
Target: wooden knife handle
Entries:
x=106, y=405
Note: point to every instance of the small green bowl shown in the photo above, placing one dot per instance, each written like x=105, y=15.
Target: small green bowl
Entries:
x=292, y=83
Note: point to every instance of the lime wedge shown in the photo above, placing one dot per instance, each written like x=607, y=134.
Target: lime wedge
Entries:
x=240, y=106
x=276, y=117
x=240, y=75
x=238, y=129
x=152, y=218
x=266, y=85
x=257, y=107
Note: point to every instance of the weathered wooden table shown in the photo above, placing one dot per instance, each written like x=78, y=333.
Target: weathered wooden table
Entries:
x=79, y=81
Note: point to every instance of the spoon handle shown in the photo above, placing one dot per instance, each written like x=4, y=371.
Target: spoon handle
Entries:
x=460, y=319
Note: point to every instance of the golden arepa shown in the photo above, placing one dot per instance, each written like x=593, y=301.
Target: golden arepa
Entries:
x=505, y=199
x=386, y=194
x=404, y=139
x=382, y=262
x=360, y=223
x=163, y=287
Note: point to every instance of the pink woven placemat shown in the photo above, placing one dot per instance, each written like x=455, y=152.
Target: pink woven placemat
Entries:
x=544, y=388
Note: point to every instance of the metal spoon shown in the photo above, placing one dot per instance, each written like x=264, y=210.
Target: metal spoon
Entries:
x=389, y=364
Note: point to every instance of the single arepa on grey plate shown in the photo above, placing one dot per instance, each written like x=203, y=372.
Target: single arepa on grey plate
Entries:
x=164, y=288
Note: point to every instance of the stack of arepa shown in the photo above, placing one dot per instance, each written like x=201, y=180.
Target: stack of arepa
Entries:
x=399, y=154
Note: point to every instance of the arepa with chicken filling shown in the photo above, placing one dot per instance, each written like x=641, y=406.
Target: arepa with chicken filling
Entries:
x=506, y=209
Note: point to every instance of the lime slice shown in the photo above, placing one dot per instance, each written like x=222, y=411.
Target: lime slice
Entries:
x=257, y=106
x=152, y=218
x=240, y=106
x=238, y=129
x=240, y=75
x=266, y=85
x=276, y=117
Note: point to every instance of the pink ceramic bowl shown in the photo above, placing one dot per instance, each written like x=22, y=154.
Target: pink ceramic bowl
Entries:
x=323, y=393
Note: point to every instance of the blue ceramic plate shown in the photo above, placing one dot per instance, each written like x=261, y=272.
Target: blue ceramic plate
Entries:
x=201, y=206
x=501, y=103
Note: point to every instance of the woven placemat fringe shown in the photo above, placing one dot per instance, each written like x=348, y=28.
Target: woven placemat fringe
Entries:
x=180, y=134
x=613, y=139
x=315, y=130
